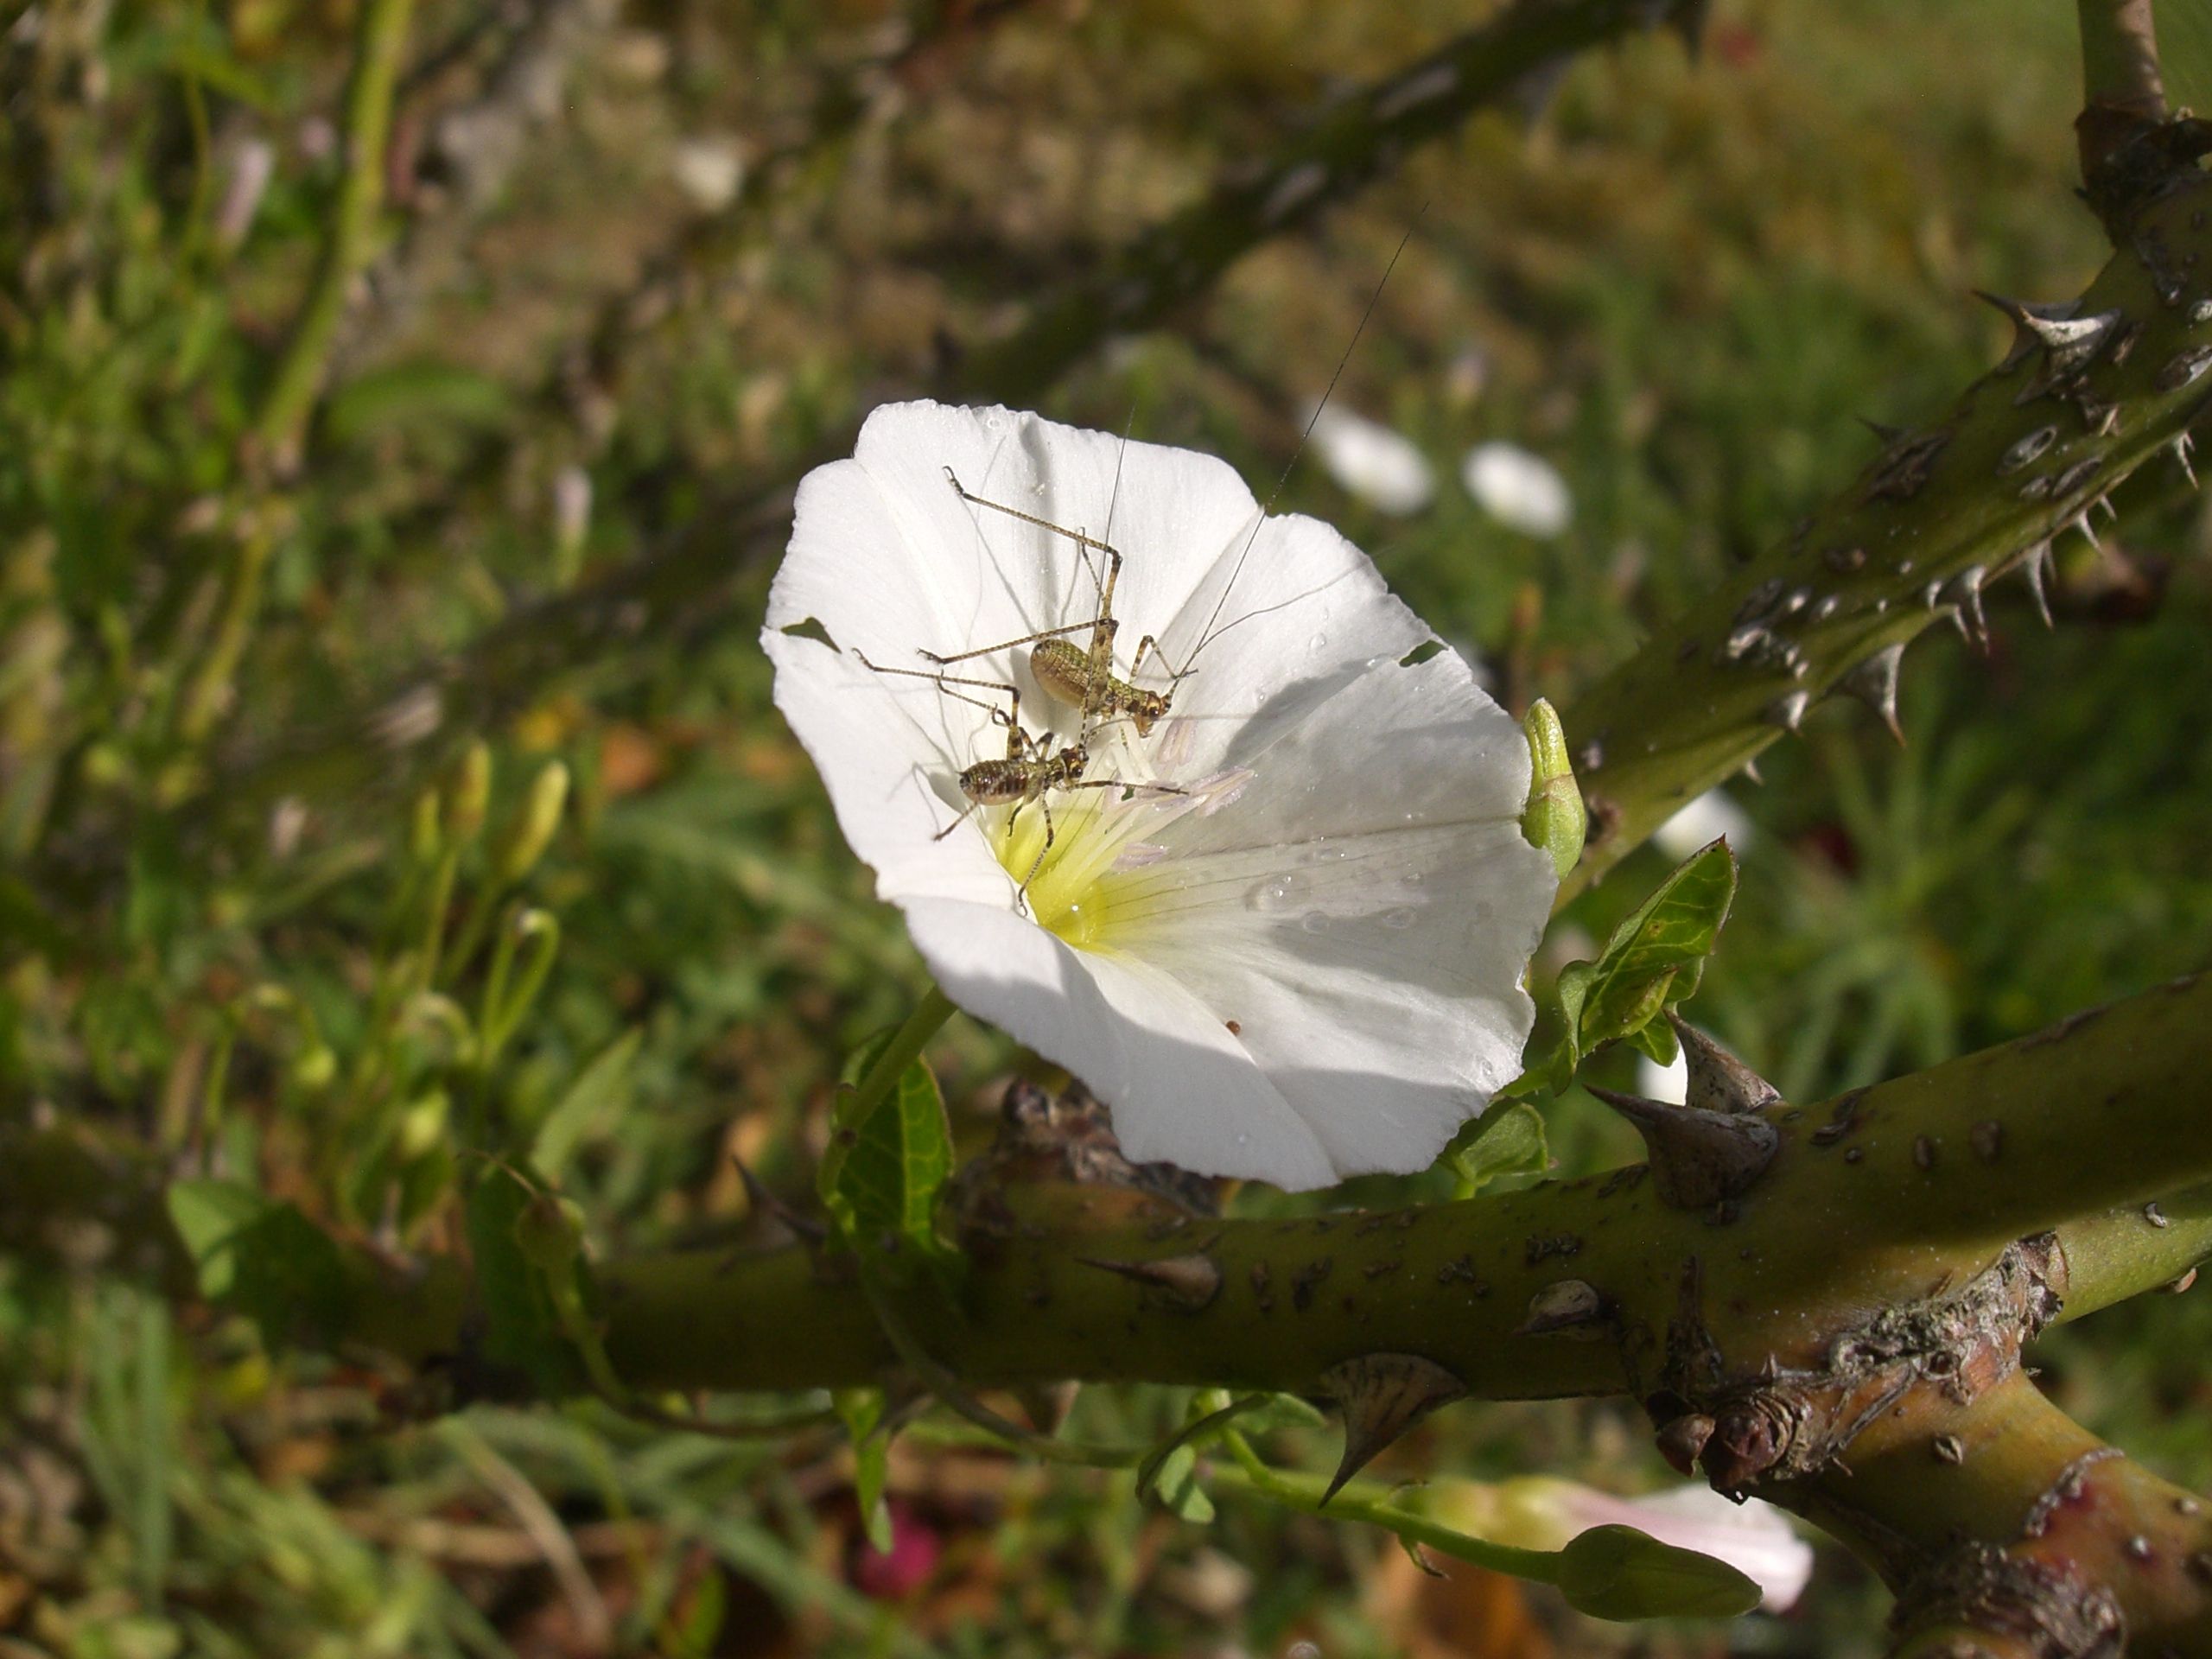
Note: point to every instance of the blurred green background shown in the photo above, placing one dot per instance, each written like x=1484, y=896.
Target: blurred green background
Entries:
x=636, y=258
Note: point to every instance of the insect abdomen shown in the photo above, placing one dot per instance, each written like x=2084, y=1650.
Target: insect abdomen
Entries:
x=994, y=782
x=1063, y=670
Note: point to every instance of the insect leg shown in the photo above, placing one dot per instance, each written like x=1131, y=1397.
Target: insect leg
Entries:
x=1079, y=538
x=1004, y=644
x=1038, y=862
x=965, y=812
x=1009, y=717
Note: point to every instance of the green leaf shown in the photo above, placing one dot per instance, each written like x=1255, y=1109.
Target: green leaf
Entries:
x=588, y=1102
x=1175, y=1484
x=1654, y=960
x=1507, y=1139
x=1672, y=931
x=880, y=1178
x=1618, y=1572
x=266, y=1260
x=862, y=1412
x=519, y=1339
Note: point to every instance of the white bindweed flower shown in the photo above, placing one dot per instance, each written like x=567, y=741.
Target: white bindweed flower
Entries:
x=1383, y=468
x=1519, y=489
x=1303, y=964
x=1542, y=1512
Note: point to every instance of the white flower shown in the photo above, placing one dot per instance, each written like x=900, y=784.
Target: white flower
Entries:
x=1702, y=821
x=1383, y=468
x=1305, y=965
x=1541, y=1512
x=1521, y=490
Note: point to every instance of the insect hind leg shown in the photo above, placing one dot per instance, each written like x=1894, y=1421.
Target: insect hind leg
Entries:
x=1009, y=717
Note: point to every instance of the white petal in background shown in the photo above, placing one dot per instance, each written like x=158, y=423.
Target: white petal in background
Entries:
x=1703, y=821
x=1383, y=468
x=1521, y=490
x=1302, y=963
x=1670, y=1084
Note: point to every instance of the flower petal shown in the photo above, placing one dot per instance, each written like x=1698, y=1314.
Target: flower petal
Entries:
x=889, y=558
x=1366, y=915
x=1183, y=1089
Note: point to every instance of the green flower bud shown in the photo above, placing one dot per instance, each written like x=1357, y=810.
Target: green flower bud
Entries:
x=315, y=1067
x=422, y=1125
x=532, y=826
x=469, y=793
x=549, y=1231
x=1555, y=818
x=424, y=831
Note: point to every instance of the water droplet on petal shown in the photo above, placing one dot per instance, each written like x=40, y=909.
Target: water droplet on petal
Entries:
x=1413, y=879
x=1316, y=642
x=1399, y=916
x=1314, y=922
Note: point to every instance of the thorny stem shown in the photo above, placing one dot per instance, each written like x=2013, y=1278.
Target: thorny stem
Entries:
x=2108, y=1113
x=1978, y=491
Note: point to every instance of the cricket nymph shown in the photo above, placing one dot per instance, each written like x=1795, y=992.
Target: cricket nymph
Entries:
x=1070, y=675
x=1021, y=782
x=1026, y=773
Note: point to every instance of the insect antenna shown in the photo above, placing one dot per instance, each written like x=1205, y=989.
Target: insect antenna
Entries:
x=1208, y=634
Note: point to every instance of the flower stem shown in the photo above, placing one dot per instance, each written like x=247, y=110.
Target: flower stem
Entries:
x=1364, y=1501
x=380, y=38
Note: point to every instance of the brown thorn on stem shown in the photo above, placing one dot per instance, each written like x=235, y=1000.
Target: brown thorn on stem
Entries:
x=1188, y=1283
x=1718, y=1082
x=1699, y=1158
x=1383, y=1395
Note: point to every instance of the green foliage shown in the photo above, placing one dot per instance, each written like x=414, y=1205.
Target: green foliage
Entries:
x=1506, y=1141
x=862, y=1411
x=887, y=1162
x=1654, y=959
x=266, y=1260
x=523, y=1344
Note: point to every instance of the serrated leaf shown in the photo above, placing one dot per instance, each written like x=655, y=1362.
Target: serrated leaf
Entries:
x=519, y=1329
x=1507, y=1139
x=266, y=1260
x=862, y=1412
x=880, y=1177
x=1618, y=1572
